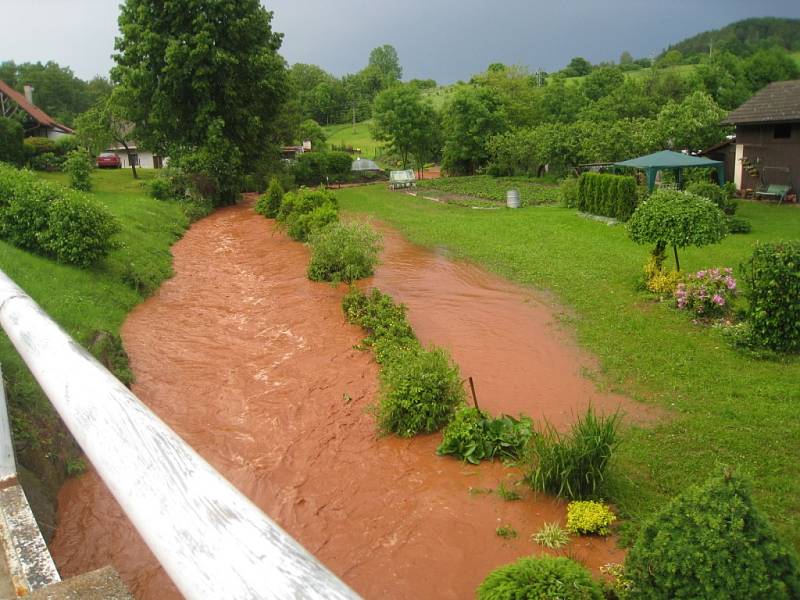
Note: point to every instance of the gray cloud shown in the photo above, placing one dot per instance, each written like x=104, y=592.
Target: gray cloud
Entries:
x=443, y=39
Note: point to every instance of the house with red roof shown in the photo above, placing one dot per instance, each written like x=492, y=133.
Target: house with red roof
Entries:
x=35, y=121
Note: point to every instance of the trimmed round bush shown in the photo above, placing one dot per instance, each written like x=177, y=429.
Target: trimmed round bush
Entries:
x=544, y=578
x=420, y=391
x=677, y=219
x=343, y=252
x=711, y=542
x=79, y=231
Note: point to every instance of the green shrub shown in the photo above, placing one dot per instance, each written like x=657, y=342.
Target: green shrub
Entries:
x=11, y=146
x=774, y=314
x=269, y=203
x=79, y=230
x=712, y=542
x=716, y=194
x=588, y=516
x=544, y=578
x=24, y=205
x=315, y=168
x=607, y=195
x=420, y=391
x=573, y=465
x=301, y=225
x=570, y=192
x=34, y=146
x=196, y=208
x=678, y=219
x=343, y=252
x=160, y=188
x=474, y=436
x=384, y=321
x=738, y=225
x=338, y=166
x=46, y=162
x=78, y=167
x=305, y=211
x=707, y=293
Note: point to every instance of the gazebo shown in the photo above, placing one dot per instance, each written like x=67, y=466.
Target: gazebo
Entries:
x=667, y=160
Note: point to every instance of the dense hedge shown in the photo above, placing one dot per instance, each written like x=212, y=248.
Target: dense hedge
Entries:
x=774, y=315
x=718, y=195
x=607, y=195
x=711, y=542
x=49, y=219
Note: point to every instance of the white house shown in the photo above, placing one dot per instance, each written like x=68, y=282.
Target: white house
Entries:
x=144, y=159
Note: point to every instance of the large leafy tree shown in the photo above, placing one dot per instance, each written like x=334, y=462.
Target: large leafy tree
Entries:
x=409, y=124
x=385, y=60
x=471, y=117
x=203, y=78
x=692, y=124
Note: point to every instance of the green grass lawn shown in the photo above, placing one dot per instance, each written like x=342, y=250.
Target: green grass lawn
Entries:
x=360, y=138
x=97, y=299
x=727, y=408
x=531, y=191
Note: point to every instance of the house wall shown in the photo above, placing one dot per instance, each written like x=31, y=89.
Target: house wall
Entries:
x=760, y=148
x=146, y=160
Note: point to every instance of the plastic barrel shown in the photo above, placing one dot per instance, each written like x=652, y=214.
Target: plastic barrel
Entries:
x=512, y=198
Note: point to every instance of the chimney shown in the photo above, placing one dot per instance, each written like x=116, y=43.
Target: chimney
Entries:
x=29, y=93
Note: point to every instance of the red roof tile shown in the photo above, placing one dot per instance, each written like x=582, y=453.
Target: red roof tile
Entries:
x=36, y=113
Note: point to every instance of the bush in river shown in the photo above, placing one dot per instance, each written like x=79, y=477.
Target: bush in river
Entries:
x=269, y=203
x=543, y=578
x=474, y=436
x=343, y=252
x=420, y=391
x=305, y=211
x=573, y=465
x=712, y=542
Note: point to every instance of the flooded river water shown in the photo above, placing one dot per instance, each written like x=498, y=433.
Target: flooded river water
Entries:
x=254, y=366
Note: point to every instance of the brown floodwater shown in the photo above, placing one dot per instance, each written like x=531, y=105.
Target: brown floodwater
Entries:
x=254, y=366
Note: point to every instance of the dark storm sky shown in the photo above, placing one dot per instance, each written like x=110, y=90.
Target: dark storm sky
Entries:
x=447, y=40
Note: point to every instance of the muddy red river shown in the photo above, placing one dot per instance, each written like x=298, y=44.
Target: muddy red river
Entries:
x=254, y=366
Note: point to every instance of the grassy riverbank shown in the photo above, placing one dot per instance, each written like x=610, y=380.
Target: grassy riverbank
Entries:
x=726, y=408
x=84, y=302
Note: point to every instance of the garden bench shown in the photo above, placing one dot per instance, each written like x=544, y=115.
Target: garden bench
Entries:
x=774, y=192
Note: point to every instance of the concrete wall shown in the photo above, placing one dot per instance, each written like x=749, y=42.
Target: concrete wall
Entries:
x=758, y=145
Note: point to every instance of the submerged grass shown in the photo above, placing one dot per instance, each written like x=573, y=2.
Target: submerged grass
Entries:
x=724, y=407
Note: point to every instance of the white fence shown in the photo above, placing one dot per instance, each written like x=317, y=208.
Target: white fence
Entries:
x=211, y=540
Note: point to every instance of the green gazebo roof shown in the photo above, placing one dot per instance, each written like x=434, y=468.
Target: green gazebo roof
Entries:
x=676, y=161
x=667, y=159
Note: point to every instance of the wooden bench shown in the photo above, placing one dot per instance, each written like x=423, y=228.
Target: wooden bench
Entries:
x=774, y=192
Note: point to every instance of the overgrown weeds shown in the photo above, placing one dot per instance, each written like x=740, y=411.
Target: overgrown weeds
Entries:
x=573, y=465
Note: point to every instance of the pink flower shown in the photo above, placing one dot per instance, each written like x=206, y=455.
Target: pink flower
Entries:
x=718, y=300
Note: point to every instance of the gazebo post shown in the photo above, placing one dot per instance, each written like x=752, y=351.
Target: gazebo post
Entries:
x=651, y=178
x=721, y=174
x=679, y=178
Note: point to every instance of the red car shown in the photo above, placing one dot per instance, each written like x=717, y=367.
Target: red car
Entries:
x=108, y=160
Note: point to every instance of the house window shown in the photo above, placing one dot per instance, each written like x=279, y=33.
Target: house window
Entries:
x=783, y=131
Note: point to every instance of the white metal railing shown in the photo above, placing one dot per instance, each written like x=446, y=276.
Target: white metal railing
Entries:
x=211, y=540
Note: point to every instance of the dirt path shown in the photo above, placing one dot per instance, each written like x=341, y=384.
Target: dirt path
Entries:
x=254, y=366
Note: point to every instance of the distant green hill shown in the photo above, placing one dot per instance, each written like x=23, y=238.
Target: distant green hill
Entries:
x=743, y=37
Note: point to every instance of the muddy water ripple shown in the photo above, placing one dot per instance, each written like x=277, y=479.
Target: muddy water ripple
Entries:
x=254, y=366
